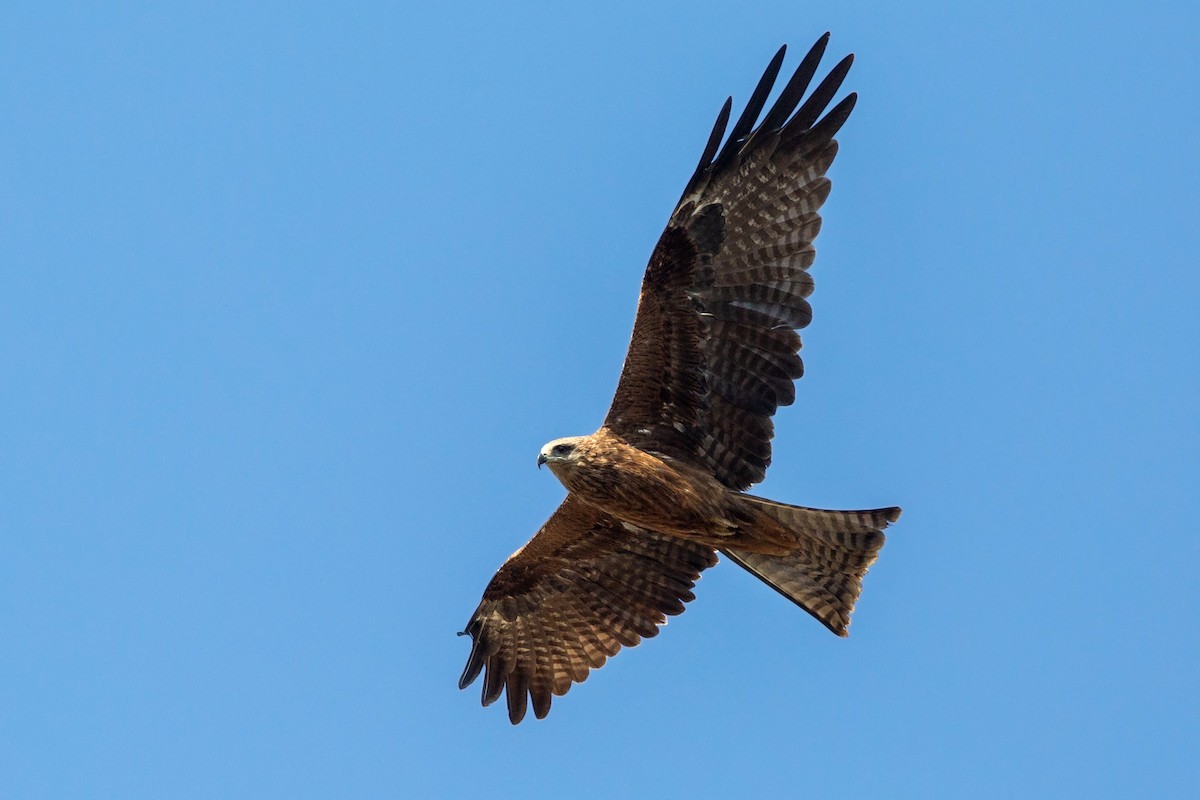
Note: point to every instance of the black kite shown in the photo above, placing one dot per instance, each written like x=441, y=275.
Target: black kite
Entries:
x=658, y=490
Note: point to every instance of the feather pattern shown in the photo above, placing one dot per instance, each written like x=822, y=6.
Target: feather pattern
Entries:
x=584, y=587
x=833, y=550
x=714, y=351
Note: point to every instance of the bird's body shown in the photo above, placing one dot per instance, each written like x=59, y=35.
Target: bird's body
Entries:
x=659, y=493
x=630, y=484
x=659, y=489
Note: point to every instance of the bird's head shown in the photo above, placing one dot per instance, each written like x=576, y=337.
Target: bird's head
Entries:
x=559, y=454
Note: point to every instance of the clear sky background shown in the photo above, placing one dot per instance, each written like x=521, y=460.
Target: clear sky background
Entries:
x=291, y=294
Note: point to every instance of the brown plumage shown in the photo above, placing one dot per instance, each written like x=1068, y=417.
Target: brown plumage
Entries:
x=658, y=490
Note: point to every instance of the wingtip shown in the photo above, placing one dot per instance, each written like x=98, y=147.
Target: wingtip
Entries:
x=541, y=713
x=818, y=48
x=517, y=697
x=471, y=670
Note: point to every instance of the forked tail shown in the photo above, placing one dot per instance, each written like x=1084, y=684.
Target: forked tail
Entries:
x=823, y=573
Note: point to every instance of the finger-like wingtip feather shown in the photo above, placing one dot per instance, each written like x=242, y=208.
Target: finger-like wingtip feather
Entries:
x=710, y=148
x=474, y=664
x=493, y=682
x=796, y=86
x=815, y=104
x=831, y=123
x=517, y=695
x=750, y=113
x=541, y=702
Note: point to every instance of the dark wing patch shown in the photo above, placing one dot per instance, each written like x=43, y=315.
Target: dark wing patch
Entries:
x=714, y=351
x=582, y=588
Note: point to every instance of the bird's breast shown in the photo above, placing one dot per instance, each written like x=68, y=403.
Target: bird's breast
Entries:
x=639, y=488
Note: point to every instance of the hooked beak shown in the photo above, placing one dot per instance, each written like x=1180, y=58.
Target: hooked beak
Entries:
x=541, y=459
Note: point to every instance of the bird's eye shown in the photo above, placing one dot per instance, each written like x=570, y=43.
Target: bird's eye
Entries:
x=561, y=449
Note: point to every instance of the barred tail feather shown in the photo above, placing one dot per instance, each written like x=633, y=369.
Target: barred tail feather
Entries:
x=823, y=573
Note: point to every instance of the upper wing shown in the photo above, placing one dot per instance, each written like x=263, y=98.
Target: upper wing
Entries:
x=582, y=587
x=714, y=347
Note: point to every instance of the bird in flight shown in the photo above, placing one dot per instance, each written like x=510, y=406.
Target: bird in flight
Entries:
x=659, y=489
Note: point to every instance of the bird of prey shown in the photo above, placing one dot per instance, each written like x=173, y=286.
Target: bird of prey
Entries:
x=659, y=489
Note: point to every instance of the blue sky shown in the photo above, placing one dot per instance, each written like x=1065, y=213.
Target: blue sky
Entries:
x=292, y=294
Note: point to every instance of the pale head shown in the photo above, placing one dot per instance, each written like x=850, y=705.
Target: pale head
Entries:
x=559, y=453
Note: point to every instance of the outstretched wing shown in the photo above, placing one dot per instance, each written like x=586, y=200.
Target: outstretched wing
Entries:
x=714, y=350
x=581, y=588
